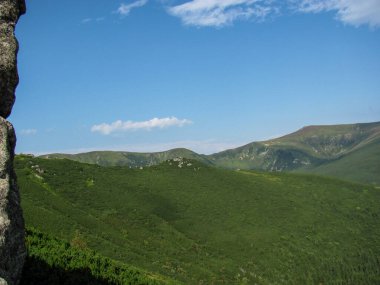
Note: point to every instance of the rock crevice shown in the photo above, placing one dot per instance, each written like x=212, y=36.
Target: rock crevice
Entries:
x=12, y=246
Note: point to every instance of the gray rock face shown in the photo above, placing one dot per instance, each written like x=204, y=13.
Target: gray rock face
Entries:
x=12, y=246
x=10, y=11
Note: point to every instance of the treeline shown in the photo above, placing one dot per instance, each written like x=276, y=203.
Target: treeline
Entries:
x=51, y=261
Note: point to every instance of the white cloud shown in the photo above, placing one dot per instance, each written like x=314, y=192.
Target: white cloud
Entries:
x=218, y=13
x=156, y=123
x=353, y=12
x=125, y=9
x=87, y=20
x=28, y=132
x=92, y=20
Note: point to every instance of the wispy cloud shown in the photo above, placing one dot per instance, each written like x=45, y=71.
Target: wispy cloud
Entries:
x=92, y=20
x=28, y=132
x=156, y=123
x=352, y=12
x=125, y=9
x=86, y=20
x=218, y=13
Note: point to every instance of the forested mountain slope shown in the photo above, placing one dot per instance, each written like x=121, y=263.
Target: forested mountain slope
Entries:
x=200, y=224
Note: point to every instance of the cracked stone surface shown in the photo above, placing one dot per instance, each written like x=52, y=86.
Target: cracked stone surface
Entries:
x=10, y=11
x=12, y=245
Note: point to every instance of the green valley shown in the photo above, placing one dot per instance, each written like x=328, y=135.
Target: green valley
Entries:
x=198, y=224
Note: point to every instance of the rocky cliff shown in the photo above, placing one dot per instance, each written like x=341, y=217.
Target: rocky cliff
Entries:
x=12, y=248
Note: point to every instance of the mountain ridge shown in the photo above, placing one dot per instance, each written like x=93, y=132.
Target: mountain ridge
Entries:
x=308, y=149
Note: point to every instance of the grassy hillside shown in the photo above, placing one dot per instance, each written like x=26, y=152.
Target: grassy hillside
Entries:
x=349, y=152
x=52, y=261
x=132, y=159
x=202, y=225
x=305, y=149
x=331, y=140
x=362, y=164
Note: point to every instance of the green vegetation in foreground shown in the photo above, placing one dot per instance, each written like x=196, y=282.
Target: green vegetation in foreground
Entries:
x=51, y=261
x=350, y=152
x=203, y=225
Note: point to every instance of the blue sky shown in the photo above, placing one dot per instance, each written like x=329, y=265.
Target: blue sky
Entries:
x=150, y=75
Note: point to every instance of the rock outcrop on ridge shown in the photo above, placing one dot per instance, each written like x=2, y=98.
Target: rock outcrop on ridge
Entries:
x=12, y=246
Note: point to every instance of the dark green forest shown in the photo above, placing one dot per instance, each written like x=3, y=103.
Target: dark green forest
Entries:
x=196, y=224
